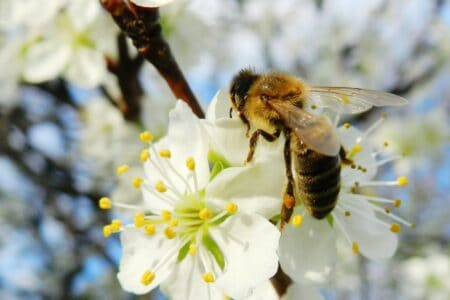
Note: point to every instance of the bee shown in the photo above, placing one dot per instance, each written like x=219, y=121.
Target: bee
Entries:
x=274, y=103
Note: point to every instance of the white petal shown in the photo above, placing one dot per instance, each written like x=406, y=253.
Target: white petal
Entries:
x=307, y=253
x=375, y=240
x=364, y=158
x=219, y=107
x=186, y=283
x=46, y=60
x=258, y=188
x=151, y=3
x=249, y=243
x=82, y=13
x=141, y=253
x=301, y=291
x=87, y=68
x=264, y=291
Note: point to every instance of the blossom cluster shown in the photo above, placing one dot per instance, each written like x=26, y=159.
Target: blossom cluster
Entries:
x=208, y=225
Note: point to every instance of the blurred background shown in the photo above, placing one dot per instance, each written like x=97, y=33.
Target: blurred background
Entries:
x=68, y=118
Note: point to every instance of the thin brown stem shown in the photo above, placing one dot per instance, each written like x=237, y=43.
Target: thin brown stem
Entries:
x=143, y=26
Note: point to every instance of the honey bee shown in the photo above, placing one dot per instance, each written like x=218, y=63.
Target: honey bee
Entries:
x=275, y=103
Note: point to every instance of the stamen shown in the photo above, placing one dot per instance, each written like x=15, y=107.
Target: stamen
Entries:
x=395, y=228
x=355, y=248
x=107, y=231
x=116, y=225
x=356, y=149
x=205, y=214
x=231, y=208
x=192, y=249
x=190, y=163
x=387, y=160
x=347, y=125
x=397, y=203
x=297, y=220
x=173, y=222
x=137, y=182
x=165, y=153
x=160, y=187
x=363, y=213
x=122, y=169
x=166, y=215
x=146, y=137
x=150, y=229
x=139, y=220
x=169, y=233
x=386, y=144
x=390, y=215
x=347, y=213
x=104, y=203
x=371, y=129
x=147, y=278
x=402, y=181
x=208, y=277
x=145, y=155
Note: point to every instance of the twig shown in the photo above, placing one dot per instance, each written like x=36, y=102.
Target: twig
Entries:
x=143, y=26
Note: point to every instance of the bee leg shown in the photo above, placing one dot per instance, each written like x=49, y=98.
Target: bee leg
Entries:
x=246, y=122
x=343, y=156
x=288, y=198
x=254, y=139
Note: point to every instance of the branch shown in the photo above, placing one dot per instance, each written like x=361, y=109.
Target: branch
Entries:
x=143, y=26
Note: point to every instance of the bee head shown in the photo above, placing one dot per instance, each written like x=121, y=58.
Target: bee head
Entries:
x=240, y=85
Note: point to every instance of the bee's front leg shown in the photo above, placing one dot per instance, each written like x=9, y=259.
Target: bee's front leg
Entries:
x=254, y=139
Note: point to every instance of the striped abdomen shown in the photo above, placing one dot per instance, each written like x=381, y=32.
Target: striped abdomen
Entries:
x=318, y=179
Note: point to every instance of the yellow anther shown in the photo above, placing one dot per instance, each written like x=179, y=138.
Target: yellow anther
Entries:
x=345, y=99
x=357, y=148
x=313, y=106
x=190, y=163
x=173, y=222
x=146, y=137
x=148, y=277
x=208, y=277
x=104, y=203
x=107, y=231
x=347, y=213
x=347, y=125
x=297, y=220
x=387, y=210
x=139, y=220
x=205, y=214
x=116, y=225
x=231, y=208
x=166, y=215
x=395, y=228
x=122, y=169
x=402, y=180
x=192, y=249
x=160, y=186
x=386, y=143
x=169, y=233
x=355, y=248
x=397, y=203
x=226, y=297
x=165, y=153
x=150, y=229
x=145, y=155
x=137, y=182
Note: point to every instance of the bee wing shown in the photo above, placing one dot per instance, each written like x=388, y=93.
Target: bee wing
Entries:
x=352, y=100
x=315, y=131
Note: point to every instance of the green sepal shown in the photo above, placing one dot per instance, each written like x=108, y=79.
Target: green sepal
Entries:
x=212, y=247
x=275, y=219
x=183, y=252
x=218, y=162
x=330, y=219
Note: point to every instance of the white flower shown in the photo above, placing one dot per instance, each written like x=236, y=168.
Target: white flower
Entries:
x=192, y=236
x=66, y=42
x=365, y=221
